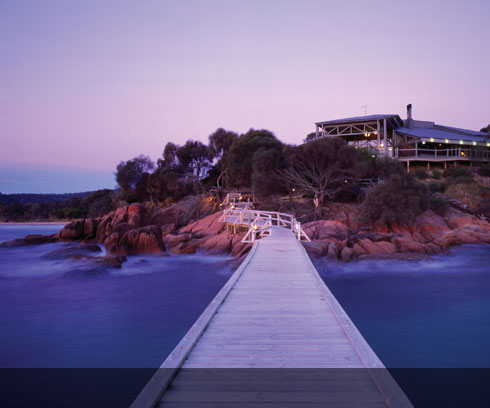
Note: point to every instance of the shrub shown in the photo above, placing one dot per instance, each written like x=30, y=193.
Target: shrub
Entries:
x=435, y=187
x=469, y=193
x=458, y=175
x=457, y=172
x=484, y=170
x=439, y=205
x=400, y=199
x=437, y=174
x=421, y=174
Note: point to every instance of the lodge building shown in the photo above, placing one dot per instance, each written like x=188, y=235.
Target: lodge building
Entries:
x=413, y=142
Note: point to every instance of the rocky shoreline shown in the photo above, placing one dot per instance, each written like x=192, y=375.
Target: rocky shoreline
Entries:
x=134, y=230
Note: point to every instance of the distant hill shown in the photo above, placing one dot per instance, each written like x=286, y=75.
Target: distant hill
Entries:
x=25, y=198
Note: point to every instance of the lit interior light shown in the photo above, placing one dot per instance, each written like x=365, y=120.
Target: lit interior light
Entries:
x=463, y=154
x=375, y=132
x=293, y=189
x=423, y=142
x=255, y=227
x=232, y=207
x=382, y=145
x=390, y=149
x=345, y=181
x=373, y=155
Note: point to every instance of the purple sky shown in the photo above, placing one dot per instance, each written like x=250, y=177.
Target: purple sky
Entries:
x=84, y=85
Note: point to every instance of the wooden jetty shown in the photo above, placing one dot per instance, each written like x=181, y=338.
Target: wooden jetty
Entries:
x=274, y=336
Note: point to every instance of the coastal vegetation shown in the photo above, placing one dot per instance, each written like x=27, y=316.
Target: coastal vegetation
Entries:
x=311, y=176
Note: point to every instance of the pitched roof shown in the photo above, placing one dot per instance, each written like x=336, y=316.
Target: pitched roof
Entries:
x=441, y=133
x=368, y=118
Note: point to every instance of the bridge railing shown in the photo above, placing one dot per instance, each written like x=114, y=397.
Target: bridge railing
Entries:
x=260, y=222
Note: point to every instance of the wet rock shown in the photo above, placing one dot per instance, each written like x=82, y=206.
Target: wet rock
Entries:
x=315, y=249
x=72, y=231
x=430, y=225
x=358, y=250
x=221, y=243
x=167, y=229
x=71, y=251
x=173, y=240
x=324, y=229
x=90, y=228
x=144, y=240
x=30, y=240
x=206, y=226
x=407, y=244
x=347, y=254
x=332, y=251
x=169, y=215
x=387, y=247
x=183, y=248
x=112, y=245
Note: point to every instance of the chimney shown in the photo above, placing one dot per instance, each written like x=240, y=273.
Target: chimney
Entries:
x=408, y=124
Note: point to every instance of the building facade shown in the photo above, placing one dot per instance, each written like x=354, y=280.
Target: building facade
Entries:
x=413, y=142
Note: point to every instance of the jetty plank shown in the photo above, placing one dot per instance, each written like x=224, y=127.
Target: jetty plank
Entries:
x=276, y=336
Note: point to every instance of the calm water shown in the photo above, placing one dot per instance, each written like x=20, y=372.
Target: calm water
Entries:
x=130, y=317
x=432, y=313
x=414, y=314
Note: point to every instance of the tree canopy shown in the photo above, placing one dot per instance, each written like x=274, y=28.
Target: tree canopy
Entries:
x=240, y=158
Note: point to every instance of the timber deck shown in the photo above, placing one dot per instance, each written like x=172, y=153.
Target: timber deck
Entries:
x=274, y=336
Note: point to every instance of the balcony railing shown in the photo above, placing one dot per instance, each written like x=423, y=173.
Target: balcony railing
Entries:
x=454, y=153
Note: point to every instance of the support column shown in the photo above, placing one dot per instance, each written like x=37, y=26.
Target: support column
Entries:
x=379, y=136
x=317, y=132
x=428, y=166
x=408, y=166
x=385, y=137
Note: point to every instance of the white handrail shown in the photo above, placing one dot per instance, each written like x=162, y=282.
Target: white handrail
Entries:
x=260, y=222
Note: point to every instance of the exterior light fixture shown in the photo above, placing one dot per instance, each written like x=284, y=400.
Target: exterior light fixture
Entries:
x=255, y=227
x=382, y=145
x=375, y=132
x=293, y=189
x=474, y=143
x=460, y=142
x=373, y=155
x=431, y=139
x=423, y=142
x=345, y=181
x=232, y=207
x=488, y=144
x=447, y=140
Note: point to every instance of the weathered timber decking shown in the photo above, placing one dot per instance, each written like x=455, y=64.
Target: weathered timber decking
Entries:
x=274, y=336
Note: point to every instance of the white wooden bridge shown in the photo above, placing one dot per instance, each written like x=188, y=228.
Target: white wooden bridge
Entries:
x=274, y=336
x=259, y=223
